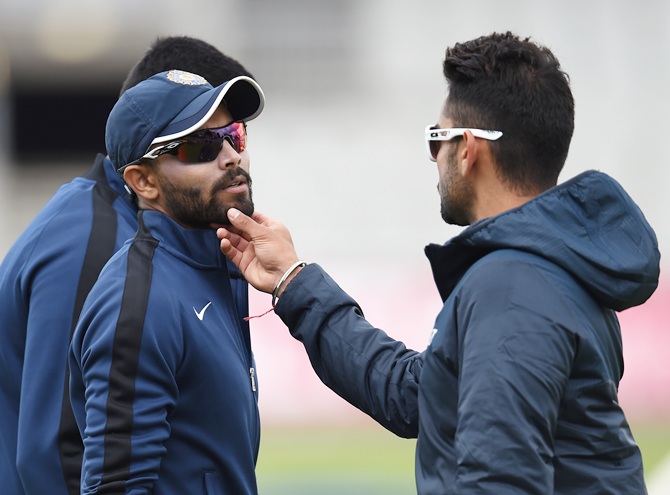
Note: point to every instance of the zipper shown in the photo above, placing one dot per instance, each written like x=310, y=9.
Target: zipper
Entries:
x=252, y=375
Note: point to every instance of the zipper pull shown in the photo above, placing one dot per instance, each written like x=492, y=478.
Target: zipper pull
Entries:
x=252, y=375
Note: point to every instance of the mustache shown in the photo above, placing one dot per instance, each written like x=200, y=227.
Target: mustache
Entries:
x=230, y=177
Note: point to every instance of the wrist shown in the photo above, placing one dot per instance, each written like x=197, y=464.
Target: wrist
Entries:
x=288, y=275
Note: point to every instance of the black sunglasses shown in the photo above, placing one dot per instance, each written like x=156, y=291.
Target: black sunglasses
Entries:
x=201, y=146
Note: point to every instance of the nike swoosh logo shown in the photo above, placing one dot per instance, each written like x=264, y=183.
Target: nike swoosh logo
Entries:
x=201, y=314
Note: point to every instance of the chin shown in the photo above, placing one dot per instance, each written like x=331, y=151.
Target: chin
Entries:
x=247, y=207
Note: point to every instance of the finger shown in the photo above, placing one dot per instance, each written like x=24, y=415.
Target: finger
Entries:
x=232, y=253
x=245, y=224
x=235, y=240
x=262, y=219
x=225, y=233
x=228, y=249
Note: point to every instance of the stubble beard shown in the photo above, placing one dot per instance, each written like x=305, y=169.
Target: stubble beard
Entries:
x=188, y=207
x=456, y=194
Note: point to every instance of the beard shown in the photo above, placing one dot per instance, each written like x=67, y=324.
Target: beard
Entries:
x=456, y=194
x=188, y=205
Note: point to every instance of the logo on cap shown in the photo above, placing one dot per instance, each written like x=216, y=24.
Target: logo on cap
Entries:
x=187, y=78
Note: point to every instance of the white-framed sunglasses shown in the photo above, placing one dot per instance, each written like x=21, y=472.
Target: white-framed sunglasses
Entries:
x=435, y=136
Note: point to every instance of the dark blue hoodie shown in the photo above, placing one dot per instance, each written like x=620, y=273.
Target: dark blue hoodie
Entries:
x=517, y=391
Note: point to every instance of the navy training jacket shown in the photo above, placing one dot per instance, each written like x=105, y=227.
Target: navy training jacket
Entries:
x=162, y=376
x=44, y=280
x=517, y=391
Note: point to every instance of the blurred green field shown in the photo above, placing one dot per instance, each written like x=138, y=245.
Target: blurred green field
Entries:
x=367, y=460
x=654, y=442
x=354, y=461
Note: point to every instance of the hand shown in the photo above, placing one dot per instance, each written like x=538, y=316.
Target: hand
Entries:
x=259, y=246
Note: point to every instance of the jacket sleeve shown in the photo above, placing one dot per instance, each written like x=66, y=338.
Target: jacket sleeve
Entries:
x=515, y=358
x=359, y=362
x=129, y=389
x=43, y=301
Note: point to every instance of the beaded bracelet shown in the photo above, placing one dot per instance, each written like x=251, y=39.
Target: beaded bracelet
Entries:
x=286, y=275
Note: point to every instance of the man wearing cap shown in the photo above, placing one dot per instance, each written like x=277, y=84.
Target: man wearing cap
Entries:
x=162, y=384
x=44, y=280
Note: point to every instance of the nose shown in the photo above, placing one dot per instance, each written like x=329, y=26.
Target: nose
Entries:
x=228, y=156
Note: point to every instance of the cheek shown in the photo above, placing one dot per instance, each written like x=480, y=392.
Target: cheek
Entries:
x=441, y=169
x=246, y=161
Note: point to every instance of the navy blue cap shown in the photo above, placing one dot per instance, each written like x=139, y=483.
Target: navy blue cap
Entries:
x=170, y=105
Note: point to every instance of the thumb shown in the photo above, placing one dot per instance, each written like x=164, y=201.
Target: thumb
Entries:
x=243, y=223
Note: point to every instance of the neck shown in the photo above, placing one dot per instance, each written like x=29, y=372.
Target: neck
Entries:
x=494, y=198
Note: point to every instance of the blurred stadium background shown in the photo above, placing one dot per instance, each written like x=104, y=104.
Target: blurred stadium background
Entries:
x=338, y=155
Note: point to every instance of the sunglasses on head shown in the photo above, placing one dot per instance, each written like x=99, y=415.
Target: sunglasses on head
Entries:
x=435, y=137
x=204, y=145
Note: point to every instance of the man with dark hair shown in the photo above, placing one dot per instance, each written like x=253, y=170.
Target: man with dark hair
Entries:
x=517, y=389
x=184, y=52
x=44, y=280
x=539, y=117
x=163, y=381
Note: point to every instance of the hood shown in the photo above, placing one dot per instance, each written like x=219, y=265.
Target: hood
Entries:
x=588, y=225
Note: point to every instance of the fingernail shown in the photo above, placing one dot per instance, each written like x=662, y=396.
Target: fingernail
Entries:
x=233, y=213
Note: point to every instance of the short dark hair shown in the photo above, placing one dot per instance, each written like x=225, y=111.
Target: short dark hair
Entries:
x=185, y=53
x=513, y=85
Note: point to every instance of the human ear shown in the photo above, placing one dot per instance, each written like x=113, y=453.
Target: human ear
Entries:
x=469, y=153
x=142, y=180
